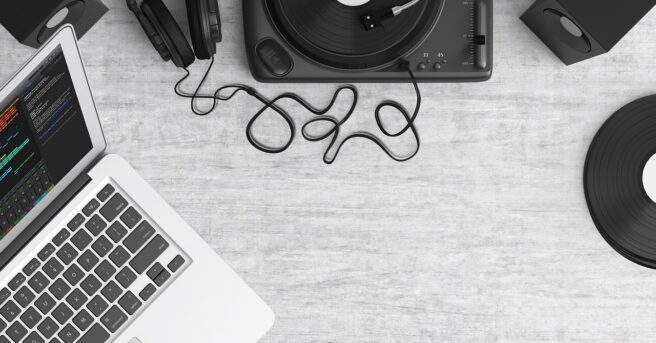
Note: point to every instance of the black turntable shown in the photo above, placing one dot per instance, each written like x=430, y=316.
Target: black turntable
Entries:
x=355, y=41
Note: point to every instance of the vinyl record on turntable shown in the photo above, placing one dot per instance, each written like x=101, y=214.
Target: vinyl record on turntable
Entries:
x=620, y=181
x=331, y=32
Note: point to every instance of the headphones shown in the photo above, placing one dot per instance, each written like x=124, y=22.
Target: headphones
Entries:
x=205, y=27
x=167, y=36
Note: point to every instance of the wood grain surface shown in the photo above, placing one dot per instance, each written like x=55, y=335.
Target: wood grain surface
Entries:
x=484, y=236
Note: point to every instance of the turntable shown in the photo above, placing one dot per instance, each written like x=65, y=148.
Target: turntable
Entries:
x=368, y=40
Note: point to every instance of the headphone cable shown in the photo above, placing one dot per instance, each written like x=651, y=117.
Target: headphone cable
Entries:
x=320, y=113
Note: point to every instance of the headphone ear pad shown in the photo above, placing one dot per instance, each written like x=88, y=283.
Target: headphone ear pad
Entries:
x=154, y=36
x=181, y=53
x=204, y=26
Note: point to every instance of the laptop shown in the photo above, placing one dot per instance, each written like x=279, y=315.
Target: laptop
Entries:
x=89, y=253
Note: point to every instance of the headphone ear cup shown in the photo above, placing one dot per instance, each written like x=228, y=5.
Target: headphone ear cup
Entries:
x=171, y=34
x=154, y=36
x=204, y=26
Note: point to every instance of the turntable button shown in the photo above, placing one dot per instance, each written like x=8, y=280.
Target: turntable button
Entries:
x=437, y=66
x=421, y=66
x=274, y=57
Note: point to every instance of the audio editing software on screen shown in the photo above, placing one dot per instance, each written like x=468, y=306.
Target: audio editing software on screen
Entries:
x=42, y=137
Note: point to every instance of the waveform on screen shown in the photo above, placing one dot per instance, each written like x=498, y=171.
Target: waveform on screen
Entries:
x=6, y=159
x=6, y=172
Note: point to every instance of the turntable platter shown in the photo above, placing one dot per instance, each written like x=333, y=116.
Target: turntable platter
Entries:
x=331, y=33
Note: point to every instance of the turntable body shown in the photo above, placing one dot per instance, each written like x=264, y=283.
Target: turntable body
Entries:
x=324, y=41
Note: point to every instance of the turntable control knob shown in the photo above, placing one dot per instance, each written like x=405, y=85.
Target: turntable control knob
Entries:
x=422, y=66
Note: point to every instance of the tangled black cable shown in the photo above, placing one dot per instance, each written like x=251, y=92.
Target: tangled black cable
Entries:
x=336, y=124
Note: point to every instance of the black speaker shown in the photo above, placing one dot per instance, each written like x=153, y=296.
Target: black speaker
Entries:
x=580, y=29
x=32, y=22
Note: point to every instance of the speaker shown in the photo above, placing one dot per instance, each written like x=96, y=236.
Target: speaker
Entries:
x=576, y=30
x=32, y=22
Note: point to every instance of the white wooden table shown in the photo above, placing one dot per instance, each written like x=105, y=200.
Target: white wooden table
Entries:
x=484, y=236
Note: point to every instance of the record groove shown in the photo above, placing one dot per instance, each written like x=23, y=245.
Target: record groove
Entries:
x=620, y=207
x=331, y=33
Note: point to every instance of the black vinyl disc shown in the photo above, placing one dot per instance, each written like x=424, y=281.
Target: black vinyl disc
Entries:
x=620, y=207
x=331, y=33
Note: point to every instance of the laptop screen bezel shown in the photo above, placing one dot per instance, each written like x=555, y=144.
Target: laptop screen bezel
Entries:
x=64, y=38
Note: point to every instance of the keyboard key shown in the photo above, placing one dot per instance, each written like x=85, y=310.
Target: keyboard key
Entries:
x=95, y=225
x=45, y=303
x=52, y=268
x=97, y=305
x=130, y=303
x=91, y=207
x=97, y=334
x=131, y=217
x=149, y=254
x=67, y=254
x=61, y=237
x=116, y=231
x=162, y=277
x=90, y=285
x=31, y=317
x=105, y=270
x=68, y=334
x=5, y=293
x=113, y=207
x=46, y=252
x=102, y=246
x=73, y=274
x=24, y=296
x=105, y=193
x=16, y=331
x=88, y=260
x=4, y=339
x=113, y=319
x=48, y=327
x=126, y=277
x=81, y=239
x=82, y=320
x=39, y=282
x=119, y=256
x=154, y=270
x=75, y=223
x=111, y=291
x=33, y=338
x=62, y=313
x=76, y=299
x=9, y=311
x=59, y=289
x=3, y=325
x=17, y=281
x=31, y=267
x=176, y=263
x=139, y=236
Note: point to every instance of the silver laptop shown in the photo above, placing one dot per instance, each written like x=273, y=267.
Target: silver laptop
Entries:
x=89, y=252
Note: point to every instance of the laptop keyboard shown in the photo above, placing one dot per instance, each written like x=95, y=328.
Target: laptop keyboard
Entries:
x=94, y=276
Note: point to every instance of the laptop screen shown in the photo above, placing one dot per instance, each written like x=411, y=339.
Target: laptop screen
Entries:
x=43, y=135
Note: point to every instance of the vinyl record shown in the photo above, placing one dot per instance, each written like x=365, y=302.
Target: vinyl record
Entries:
x=331, y=33
x=613, y=181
